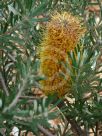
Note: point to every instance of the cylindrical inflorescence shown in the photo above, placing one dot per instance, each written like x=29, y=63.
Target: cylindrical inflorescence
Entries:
x=61, y=36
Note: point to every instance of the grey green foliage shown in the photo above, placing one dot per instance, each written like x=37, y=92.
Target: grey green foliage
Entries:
x=81, y=110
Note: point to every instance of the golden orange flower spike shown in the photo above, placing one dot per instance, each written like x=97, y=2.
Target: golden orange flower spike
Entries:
x=61, y=36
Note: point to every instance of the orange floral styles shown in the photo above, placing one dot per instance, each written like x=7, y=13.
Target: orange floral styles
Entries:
x=61, y=36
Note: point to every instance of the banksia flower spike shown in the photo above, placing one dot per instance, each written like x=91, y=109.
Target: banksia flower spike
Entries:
x=61, y=36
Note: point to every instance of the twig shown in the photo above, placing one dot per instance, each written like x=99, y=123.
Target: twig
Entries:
x=29, y=97
x=2, y=131
x=96, y=132
x=76, y=128
x=89, y=95
x=4, y=85
x=66, y=126
x=10, y=56
x=44, y=131
x=41, y=128
x=15, y=100
x=74, y=125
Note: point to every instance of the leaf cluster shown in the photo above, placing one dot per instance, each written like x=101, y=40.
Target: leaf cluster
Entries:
x=21, y=27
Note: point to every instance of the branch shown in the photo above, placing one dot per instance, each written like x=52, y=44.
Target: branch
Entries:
x=15, y=100
x=29, y=97
x=89, y=95
x=75, y=127
x=4, y=84
x=96, y=132
x=41, y=128
x=65, y=129
x=10, y=56
x=44, y=131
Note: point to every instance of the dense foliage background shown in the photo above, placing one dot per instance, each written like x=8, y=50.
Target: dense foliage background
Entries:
x=22, y=104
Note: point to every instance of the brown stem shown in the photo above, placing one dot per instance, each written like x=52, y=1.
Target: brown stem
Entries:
x=15, y=100
x=66, y=126
x=74, y=125
x=44, y=131
x=4, y=84
x=96, y=133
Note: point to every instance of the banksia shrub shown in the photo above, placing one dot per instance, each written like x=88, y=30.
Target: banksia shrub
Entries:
x=61, y=36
